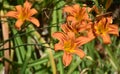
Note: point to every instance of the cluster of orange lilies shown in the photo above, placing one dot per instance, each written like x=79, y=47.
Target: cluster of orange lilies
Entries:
x=78, y=29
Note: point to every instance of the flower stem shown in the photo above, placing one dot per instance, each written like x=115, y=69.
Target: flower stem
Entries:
x=74, y=66
x=112, y=59
x=51, y=58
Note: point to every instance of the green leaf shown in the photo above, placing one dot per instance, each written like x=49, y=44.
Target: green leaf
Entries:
x=20, y=51
x=43, y=60
x=28, y=55
x=108, y=3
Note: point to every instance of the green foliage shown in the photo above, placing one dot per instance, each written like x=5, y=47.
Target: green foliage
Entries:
x=32, y=52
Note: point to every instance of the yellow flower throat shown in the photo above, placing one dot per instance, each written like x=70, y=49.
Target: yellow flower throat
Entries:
x=23, y=15
x=101, y=28
x=69, y=46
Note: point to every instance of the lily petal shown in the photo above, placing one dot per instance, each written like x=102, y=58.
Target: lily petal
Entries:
x=34, y=21
x=12, y=14
x=113, y=29
x=80, y=53
x=71, y=18
x=27, y=4
x=76, y=7
x=85, y=39
x=71, y=35
x=66, y=28
x=60, y=36
x=68, y=9
x=82, y=40
x=33, y=11
x=18, y=24
x=19, y=8
x=59, y=46
x=103, y=21
x=109, y=19
x=91, y=34
x=106, y=39
x=67, y=58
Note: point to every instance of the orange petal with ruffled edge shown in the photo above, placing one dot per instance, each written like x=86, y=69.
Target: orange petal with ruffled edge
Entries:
x=79, y=52
x=68, y=9
x=32, y=12
x=71, y=35
x=67, y=58
x=85, y=39
x=19, y=8
x=12, y=14
x=82, y=40
x=66, y=28
x=60, y=36
x=109, y=19
x=113, y=29
x=103, y=21
x=77, y=7
x=71, y=19
x=59, y=46
x=34, y=21
x=27, y=5
x=18, y=24
x=106, y=39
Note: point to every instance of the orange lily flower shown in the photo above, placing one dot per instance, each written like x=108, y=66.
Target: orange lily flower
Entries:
x=70, y=45
x=103, y=27
x=76, y=28
x=77, y=14
x=70, y=28
x=84, y=30
x=24, y=13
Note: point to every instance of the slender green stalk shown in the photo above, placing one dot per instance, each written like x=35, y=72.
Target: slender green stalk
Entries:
x=18, y=53
x=43, y=60
x=59, y=11
x=73, y=66
x=54, y=20
x=51, y=58
x=61, y=67
x=18, y=41
x=113, y=60
x=28, y=56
